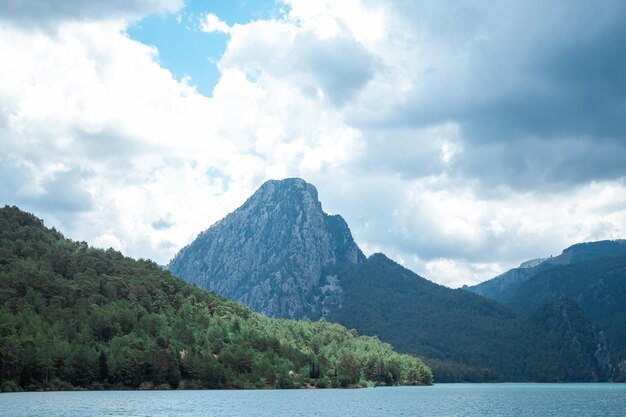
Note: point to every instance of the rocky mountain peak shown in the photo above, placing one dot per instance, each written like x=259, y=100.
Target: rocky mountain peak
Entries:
x=295, y=188
x=273, y=253
x=291, y=198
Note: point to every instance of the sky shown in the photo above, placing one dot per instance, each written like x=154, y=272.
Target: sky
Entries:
x=460, y=138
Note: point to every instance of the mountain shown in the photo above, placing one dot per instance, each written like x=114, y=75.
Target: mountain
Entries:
x=282, y=255
x=593, y=274
x=504, y=287
x=417, y=316
x=271, y=253
x=75, y=317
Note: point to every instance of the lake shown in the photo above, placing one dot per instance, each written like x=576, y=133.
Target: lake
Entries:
x=439, y=400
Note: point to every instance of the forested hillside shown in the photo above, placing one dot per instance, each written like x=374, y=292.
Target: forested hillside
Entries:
x=464, y=336
x=505, y=287
x=593, y=274
x=599, y=285
x=72, y=316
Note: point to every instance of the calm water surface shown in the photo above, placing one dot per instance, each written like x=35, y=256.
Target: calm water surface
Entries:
x=441, y=400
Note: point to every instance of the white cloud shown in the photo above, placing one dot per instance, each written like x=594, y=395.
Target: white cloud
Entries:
x=366, y=23
x=455, y=274
x=92, y=100
x=372, y=101
x=455, y=237
x=212, y=23
x=336, y=68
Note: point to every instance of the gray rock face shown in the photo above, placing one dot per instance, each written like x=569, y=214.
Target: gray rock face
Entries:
x=532, y=263
x=619, y=373
x=276, y=253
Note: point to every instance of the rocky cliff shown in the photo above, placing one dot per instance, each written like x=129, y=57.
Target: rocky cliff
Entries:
x=275, y=253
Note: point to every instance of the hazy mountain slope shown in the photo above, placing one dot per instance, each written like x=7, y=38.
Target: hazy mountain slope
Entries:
x=75, y=316
x=504, y=287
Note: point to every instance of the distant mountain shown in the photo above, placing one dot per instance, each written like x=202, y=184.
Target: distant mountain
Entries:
x=505, y=286
x=282, y=255
x=593, y=274
x=75, y=317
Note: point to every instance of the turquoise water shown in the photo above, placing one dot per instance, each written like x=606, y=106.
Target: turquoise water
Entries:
x=440, y=400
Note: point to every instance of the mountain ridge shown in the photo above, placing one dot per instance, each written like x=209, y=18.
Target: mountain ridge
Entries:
x=376, y=296
x=502, y=287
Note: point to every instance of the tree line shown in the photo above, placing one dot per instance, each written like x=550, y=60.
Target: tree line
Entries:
x=72, y=316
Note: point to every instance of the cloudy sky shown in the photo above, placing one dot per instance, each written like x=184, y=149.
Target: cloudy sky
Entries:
x=460, y=138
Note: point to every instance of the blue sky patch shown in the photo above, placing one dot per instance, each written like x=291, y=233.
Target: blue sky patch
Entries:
x=187, y=51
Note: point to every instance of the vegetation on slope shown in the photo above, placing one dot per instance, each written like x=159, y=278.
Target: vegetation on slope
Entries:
x=593, y=274
x=72, y=316
x=599, y=286
x=505, y=287
x=465, y=337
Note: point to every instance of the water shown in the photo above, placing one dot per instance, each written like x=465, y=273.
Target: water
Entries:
x=440, y=400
